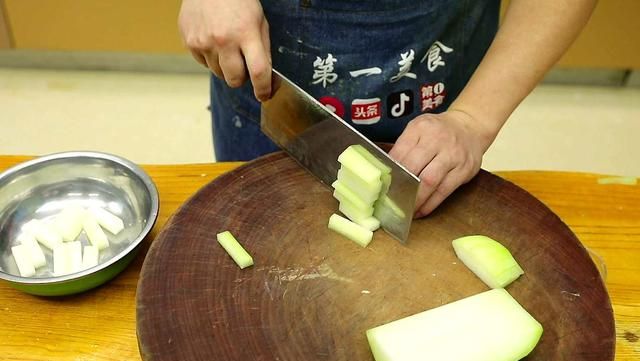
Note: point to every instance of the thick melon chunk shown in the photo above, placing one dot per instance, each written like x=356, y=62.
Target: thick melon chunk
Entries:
x=489, y=260
x=490, y=326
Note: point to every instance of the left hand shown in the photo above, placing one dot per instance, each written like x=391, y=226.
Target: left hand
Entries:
x=444, y=150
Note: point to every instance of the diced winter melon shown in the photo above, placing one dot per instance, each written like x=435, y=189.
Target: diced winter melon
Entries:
x=488, y=259
x=94, y=232
x=21, y=254
x=351, y=230
x=490, y=326
x=230, y=244
x=90, y=257
x=358, y=164
x=74, y=250
x=344, y=194
x=69, y=222
x=363, y=190
x=60, y=260
x=384, y=169
x=107, y=220
x=35, y=251
x=67, y=258
x=44, y=232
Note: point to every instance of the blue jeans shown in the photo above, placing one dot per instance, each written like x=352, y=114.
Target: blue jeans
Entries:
x=377, y=63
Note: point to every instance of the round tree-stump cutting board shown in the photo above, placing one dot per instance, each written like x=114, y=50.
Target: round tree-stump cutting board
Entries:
x=312, y=293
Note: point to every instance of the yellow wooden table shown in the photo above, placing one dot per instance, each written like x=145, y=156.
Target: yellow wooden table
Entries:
x=100, y=324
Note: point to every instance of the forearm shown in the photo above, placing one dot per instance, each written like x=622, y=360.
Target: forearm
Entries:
x=533, y=36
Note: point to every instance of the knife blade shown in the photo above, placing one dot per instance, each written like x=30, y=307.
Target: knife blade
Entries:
x=315, y=137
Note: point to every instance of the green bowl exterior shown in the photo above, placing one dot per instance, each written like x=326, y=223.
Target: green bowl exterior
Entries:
x=78, y=285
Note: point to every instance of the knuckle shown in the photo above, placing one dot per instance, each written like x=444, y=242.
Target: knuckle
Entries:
x=234, y=82
x=196, y=43
x=429, y=180
x=258, y=71
x=220, y=39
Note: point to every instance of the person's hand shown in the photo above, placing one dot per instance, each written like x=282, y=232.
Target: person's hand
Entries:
x=231, y=38
x=444, y=150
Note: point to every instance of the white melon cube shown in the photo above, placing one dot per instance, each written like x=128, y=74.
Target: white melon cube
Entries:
x=96, y=235
x=107, y=220
x=69, y=222
x=21, y=254
x=44, y=232
x=35, y=251
x=90, y=257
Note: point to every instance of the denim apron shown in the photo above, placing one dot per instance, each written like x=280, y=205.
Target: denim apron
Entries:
x=376, y=63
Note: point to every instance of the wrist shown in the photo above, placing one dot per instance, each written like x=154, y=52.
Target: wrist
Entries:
x=483, y=126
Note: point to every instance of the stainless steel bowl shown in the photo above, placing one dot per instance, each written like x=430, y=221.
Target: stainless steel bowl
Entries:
x=42, y=187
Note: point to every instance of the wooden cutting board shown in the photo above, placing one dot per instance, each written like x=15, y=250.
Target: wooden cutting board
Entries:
x=312, y=293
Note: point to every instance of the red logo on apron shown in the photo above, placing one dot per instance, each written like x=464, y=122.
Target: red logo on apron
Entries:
x=432, y=96
x=366, y=111
x=333, y=104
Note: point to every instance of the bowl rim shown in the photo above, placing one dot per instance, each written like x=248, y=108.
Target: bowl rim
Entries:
x=152, y=216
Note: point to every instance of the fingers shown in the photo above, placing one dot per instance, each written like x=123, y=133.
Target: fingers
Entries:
x=266, y=39
x=417, y=158
x=407, y=141
x=199, y=57
x=431, y=178
x=450, y=183
x=232, y=66
x=259, y=68
x=211, y=59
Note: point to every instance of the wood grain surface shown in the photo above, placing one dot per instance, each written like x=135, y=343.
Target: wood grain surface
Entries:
x=312, y=293
x=100, y=325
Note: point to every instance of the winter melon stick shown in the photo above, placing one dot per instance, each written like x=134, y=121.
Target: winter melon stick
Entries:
x=354, y=161
x=489, y=260
x=44, y=232
x=69, y=222
x=21, y=254
x=385, y=170
x=90, y=257
x=230, y=244
x=107, y=220
x=351, y=230
x=363, y=189
x=35, y=251
x=490, y=326
x=344, y=194
x=94, y=232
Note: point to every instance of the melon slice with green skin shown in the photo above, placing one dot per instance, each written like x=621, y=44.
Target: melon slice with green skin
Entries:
x=367, y=221
x=358, y=164
x=488, y=259
x=351, y=230
x=490, y=326
x=231, y=245
x=344, y=194
x=364, y=190
x=384, y=169
x=354, y=213
x=370, y=223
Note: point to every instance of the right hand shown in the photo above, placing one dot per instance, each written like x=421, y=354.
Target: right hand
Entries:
x=231, y=38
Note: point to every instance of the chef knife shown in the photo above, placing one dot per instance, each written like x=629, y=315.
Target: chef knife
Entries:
x=314, y=136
